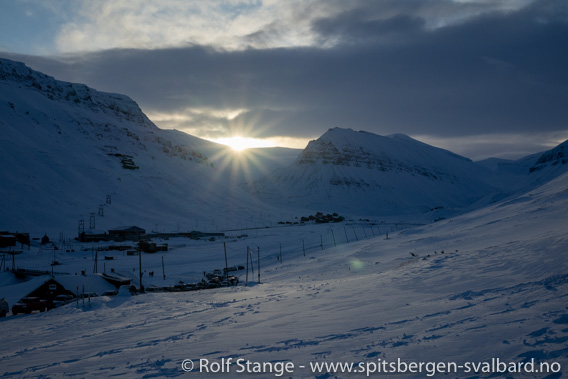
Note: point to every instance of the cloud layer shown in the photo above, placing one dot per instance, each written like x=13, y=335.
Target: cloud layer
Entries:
x=440, y=69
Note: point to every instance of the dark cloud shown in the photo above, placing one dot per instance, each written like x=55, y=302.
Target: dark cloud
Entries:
x=496, y=72
x=355, y=27
x=263, y=38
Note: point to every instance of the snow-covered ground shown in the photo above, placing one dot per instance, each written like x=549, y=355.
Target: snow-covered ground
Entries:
x=486, y=289
x=489, y=287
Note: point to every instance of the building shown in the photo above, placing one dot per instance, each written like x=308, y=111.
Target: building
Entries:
x=123, y=233
x=48, y=288
x=8, y=239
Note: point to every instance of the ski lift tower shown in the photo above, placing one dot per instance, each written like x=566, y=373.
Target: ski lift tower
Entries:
x=81, y=228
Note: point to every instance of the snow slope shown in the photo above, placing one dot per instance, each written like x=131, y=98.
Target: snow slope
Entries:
x=65, y=148
x=364, y=173
x=489, y=284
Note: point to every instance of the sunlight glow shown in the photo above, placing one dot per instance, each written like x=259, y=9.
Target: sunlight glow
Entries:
x=241, y=143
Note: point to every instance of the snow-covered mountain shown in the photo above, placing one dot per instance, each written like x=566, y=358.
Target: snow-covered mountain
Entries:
x=530, y=171
x=365, y=173
x=69, y=151
x=554, y=158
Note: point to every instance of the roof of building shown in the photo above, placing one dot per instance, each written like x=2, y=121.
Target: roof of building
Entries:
x=130, y=228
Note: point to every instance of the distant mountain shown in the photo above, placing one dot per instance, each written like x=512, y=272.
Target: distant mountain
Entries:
x=555, y=159
x=65, y=149
x=530, y=171
x=365, y=173
x=493, y=164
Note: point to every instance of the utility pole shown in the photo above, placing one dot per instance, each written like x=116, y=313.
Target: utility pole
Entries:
x=140, y=266
x=226, y=263
x=246, y=283
x=96, y=268
x=81, y=228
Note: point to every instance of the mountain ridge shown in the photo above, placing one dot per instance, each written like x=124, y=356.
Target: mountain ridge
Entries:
x=65, y=147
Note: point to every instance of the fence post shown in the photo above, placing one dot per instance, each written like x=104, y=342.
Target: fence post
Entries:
x=258, y=262
x=333, y=235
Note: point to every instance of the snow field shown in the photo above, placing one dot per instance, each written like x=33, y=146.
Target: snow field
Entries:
x=502, y=295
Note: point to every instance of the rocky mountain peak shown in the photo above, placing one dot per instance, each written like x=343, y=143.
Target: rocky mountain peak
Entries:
x=78, y=95
x=555, y=157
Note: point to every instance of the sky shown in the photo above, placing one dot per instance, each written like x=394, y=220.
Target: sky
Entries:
x=480, y=78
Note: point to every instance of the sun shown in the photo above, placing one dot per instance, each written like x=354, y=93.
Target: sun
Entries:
x=243, y=159
x=239, y=143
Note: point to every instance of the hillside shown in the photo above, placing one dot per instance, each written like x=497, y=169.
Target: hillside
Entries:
x=488, y=285
x=71, y=154
x=367, y=174
x=68, y=151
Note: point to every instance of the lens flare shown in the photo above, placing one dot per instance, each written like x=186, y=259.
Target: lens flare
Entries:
x=356, y=264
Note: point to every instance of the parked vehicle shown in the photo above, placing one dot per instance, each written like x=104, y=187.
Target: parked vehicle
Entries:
x=4, y=308
x=28, y=305
x=213, y=284
x=87, y=295
x=62, y=300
